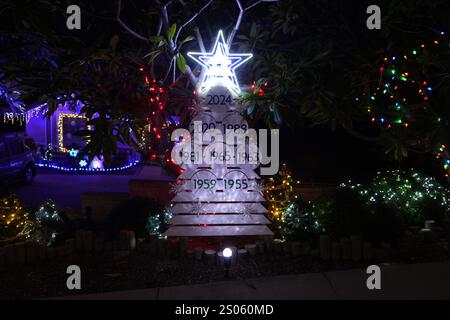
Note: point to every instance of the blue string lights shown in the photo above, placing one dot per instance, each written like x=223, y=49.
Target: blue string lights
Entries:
x=87, y=169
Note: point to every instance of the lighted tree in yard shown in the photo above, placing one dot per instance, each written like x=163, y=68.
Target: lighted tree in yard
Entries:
x=15, y=223
x=280, y=194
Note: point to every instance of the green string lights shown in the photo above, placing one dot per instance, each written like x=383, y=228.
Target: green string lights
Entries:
x=416, y=196
x=299, y=221
x=156, y=223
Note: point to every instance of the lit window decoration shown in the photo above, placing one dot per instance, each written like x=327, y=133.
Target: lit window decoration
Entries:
x=61, y=130
x=73, y=153
x=220, y=66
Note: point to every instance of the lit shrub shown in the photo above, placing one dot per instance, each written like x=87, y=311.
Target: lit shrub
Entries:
x=299, y=222
x=415, y=197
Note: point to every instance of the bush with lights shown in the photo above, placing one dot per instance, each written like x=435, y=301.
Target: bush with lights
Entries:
x=15, y=222
x=48, y=224
x=279, y=193
x=292, y=217
x=299, y=222
x=414, y=196
x=158, y=222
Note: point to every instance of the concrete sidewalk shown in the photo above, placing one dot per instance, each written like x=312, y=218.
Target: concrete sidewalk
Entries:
x=415, y=281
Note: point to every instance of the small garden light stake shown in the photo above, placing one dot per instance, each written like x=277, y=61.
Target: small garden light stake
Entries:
x=227, y=256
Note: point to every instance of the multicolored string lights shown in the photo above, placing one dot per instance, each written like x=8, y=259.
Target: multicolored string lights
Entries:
x=403, y=94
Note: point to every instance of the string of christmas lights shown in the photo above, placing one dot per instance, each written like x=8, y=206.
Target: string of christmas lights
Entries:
x=406, y=190
x=402, y=96
x=87, y=169
x=156, y=223
x=299, y=221
x=152, y=130
x=60, y=124
x=14, y=220
x=280, y=193
x=46, y=217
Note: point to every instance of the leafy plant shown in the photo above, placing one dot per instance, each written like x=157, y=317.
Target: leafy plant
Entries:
x=342, y=212
x=346, y=212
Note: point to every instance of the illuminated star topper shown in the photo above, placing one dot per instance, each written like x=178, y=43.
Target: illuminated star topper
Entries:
x=220, y=66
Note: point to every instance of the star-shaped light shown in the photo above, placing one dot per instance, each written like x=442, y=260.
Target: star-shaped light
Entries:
x=73, y=152
x=220, y=66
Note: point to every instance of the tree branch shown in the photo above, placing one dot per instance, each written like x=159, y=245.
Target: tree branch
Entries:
x=199, y=38
x=254, y=4
x=192, y=19
x=361, y=136
x=166, y=25
x=128, y=29
x=159, y=27
x=165, y=15
x=237, y=24
x=158, y=32
x=168, y=70
x=191, y=75
x=239, y=19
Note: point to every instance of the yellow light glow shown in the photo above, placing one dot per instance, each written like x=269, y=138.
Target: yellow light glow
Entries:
x=60, y=128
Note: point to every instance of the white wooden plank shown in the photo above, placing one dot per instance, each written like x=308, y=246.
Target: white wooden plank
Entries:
x=216, y=231
x=219, y=219
x=211, y=196
x=220, y=208
x=217, y=120
x=219, y=172
x=198, y=184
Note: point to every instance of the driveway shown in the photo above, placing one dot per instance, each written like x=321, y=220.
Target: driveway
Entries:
x=66, y=189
